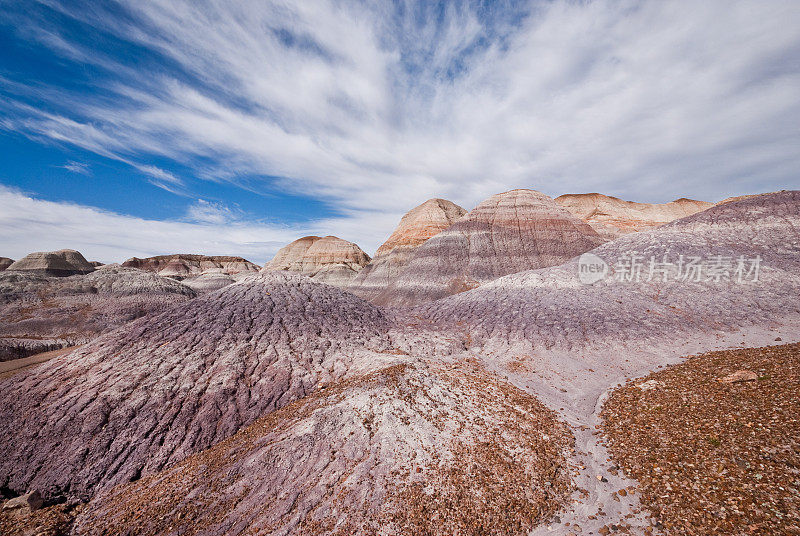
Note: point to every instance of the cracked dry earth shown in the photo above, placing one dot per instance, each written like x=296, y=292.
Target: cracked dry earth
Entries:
x=715, y=452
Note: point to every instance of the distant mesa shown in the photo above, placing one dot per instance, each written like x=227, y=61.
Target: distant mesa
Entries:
x=613, y=217
x=5, y=262
x=179, y=266
x=509, y=232
x=415, y=228
x=327, y=259
x=63, y=262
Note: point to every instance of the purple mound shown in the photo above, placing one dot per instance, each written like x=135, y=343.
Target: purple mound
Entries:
x=143, y=397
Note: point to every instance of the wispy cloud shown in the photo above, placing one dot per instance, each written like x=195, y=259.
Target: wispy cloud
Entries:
x=77, y=167
x=376, y=106
x=209, y=228
x=210, y=212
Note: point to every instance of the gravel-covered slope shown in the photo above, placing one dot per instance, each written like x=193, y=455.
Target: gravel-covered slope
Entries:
x=409, y=449
x=715, y=441
x=134, y=400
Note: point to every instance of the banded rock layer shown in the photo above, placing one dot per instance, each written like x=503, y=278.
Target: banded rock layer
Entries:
x=551, y=310
x=133, y=401
x=416, y=227
x=184, y=265
x=63, y=262
x=327, y=259
x=509, y=232
x=613, y=217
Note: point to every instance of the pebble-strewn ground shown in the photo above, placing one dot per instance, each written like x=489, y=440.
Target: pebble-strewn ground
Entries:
x=53, y=520
x=715, y=457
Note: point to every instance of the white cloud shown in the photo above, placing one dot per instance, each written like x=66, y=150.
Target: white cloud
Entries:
x=209, y=212
x=377, y=108
x=31, y=224
x=77, y=167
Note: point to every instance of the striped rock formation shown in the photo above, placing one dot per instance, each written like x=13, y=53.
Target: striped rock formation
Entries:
x=63, y=262
x=184, y=265
x=418, y=225
x=613, y=217
x=509, y=232
x=327, y=259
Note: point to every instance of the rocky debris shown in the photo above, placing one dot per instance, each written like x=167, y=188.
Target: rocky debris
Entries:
x=181, y=265
x=408, y=449
x=509, y=232
x=53, y=520
x=328, y=259
x=551, y=310
x=133, y=401
x=417, y=226
x=612, y=217
x=5, y=262
x=650, y=384
x=740, y=376
x=711, y=457
x=39, y=313
x=29, y=502
x=59, y=263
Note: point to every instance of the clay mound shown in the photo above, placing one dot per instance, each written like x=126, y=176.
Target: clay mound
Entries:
x=181, y=265
x=550, y=309
x=40, y=313
x=509, y=232
x=613, y=217
x=328, y=260
x=60, y=263
x=5, y=262
x=404, y=450
x=416, y=227
x=135, y=400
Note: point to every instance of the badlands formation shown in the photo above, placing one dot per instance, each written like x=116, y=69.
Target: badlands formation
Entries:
x=5, y=262
x=415, y=228
x=327, y=259
x=40, y=313
x=509, y=232
x=63, y=262
x=612, y=217
x=182, y=266
x=464, y=398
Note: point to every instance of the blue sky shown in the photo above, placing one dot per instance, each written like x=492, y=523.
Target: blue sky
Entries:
x=233, y=127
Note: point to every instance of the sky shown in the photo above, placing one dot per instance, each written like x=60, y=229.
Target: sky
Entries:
x=232, y=127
